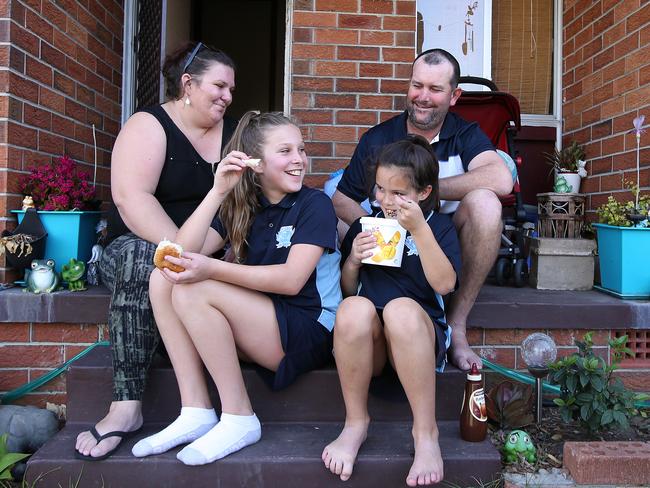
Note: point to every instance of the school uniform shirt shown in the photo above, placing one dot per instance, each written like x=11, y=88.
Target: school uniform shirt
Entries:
x=381, y=284
x=455, y=146
x=304, y=217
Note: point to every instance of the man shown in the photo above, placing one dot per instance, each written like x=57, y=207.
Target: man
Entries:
x=472, y=177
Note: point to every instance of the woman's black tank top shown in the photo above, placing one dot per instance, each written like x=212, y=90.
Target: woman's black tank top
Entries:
x=185, y=178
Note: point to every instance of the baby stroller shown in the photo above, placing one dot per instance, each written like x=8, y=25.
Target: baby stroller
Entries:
x=497, y=113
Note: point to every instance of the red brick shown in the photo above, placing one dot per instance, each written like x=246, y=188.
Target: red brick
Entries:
x=337, y=5
x=377, y=6
x=12, y=378
x=375, y=101
x=360, y=53
x=475, y=337
x=310, y=83
x=14, y=332
x=56, y=384
x=359, y=21
x=376, y=38
x=616, y=463
x=344, y=149
x=505, y=356
x=24, y=39
x=39, y=71
x=329, y=68
x=405, y=39
x=316, y=181
x=508, y=336
x=405, y=8
x=375, y=70
x=334, y=133
x=325, y=166
x=313, y=19
x=397, y=54
x=336, y=36
x=61, y=333
x=318, y=149
x=356, y=117
x=21, y=136
x=335, y=101
x=348, y=85
x=307, y=51
x=41, y=399
x=637, y=379
x=313, y=116
x=30, y=356
x=405, y=23
x=37, y=117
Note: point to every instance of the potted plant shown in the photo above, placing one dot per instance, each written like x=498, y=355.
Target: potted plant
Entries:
x=568, y=165
x=65, y=202
x=623, y=236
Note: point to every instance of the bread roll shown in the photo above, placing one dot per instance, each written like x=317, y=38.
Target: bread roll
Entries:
x=252, y=163
x=167, y=248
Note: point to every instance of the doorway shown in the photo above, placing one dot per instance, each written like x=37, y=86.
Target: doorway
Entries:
x=252, y=32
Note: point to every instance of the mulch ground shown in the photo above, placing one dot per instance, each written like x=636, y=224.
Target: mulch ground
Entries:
x=551, y=434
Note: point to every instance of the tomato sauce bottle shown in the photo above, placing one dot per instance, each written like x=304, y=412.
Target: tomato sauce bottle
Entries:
x=473, y=415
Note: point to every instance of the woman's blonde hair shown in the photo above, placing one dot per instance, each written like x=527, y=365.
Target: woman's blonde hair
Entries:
x=242, y=203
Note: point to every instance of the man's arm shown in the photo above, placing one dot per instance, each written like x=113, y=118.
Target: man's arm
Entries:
x=346, y=208
x=487, y=170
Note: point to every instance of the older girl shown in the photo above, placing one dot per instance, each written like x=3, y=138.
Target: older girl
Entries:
x=274, y=305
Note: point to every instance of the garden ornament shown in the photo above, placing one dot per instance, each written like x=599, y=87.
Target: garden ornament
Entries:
x=42, y=278
x=72, y=273
x=519, y=444
x=28, y=427
x=93, y=264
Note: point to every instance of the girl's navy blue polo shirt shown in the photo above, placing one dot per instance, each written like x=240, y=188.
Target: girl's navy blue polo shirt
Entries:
x=381, y=284
x=304, y=217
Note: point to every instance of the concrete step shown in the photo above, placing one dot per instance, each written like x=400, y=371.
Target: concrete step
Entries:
x=315, y=396
x=289, y=455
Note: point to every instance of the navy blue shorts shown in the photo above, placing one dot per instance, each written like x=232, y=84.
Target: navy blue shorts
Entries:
x=306, y=343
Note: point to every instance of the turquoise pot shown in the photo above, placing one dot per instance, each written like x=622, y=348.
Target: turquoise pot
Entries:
x=623, y=254
x=70, y=234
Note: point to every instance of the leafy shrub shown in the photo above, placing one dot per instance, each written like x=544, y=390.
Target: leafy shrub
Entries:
x=510, y=405
x=589, y=392
x=8, y=459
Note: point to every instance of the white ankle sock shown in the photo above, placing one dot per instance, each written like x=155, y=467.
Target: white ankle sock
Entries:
x=191, y=424
x=233, y=433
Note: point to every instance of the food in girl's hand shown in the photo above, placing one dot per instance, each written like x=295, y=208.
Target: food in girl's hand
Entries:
x=391, y=214
x=252, y=163
x=388, y=250
x=385, y=253
x=168, y=248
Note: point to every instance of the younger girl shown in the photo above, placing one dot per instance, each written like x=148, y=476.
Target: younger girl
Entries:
x=397, y=313
x=274, y=305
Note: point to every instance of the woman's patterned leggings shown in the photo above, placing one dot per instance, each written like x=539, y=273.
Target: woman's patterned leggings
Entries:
x=124, y=268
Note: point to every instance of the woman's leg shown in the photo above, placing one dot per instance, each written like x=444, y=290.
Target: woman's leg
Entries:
x=411, y=340
x=221, y=319
x=125, y=267
x=197, y=415
x=360, y=352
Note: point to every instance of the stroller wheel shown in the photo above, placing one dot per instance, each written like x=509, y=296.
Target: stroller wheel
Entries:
x=503, y=271
x=521, y=273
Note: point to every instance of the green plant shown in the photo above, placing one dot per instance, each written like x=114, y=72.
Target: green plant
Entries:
x=567, y=159
x=616, y=213
x=589, y=392
x=510, y=405
x=8, y=459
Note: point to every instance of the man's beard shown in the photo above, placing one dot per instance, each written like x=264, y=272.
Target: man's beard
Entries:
x=433, y=120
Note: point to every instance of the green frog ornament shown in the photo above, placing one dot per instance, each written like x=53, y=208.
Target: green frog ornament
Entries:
x=72, y=273
x=42, y=278
x=519, y=443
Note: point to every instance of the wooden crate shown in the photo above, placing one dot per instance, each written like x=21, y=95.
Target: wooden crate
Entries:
x=560, y=215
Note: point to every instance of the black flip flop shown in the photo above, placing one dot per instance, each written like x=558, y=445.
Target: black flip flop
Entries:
x=99, y=438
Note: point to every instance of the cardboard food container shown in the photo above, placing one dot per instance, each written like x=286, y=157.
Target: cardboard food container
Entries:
x=390, y=241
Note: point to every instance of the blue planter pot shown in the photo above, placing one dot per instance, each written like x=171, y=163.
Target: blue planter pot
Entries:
x=623, y=253
x=70, y=234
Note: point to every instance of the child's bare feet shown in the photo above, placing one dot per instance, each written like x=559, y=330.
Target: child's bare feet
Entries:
x=339, y=456
x=427, y=466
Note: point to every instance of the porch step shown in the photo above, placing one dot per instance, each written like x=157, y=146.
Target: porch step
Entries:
x=289, y=455
x=314, y=397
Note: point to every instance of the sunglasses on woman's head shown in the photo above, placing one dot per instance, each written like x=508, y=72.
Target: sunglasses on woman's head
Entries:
x=192, y=55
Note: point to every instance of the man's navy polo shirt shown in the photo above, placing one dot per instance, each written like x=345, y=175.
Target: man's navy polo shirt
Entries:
x=304, y=217
x=458, y=144
x=381, y=284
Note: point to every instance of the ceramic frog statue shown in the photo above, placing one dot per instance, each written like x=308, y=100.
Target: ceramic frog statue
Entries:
x=72, y=273
x=519, y=443
x=42, y=278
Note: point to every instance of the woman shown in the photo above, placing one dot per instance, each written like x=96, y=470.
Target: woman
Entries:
x=161, y=169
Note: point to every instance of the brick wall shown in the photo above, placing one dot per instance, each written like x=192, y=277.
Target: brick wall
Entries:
x=60, y=73
x=350, y=62
x=30, y=350
x=606, y=84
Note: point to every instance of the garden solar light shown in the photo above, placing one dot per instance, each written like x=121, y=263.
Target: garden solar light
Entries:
x=538, y=351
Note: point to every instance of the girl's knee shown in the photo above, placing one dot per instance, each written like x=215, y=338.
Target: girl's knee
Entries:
x=184, y=296
x=404, y=317
x=354, y=318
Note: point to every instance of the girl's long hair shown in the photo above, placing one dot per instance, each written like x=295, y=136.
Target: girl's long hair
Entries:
x=415, y=156
x=238, y=209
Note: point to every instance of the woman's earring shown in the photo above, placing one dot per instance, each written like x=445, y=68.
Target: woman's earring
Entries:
x=187, y=100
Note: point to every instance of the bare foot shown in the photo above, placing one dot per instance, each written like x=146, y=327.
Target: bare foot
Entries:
x=339, y=456
x=125, y=416
x=462, y=356
x=427, y=466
